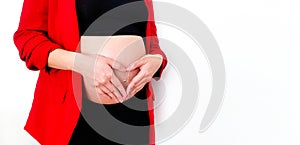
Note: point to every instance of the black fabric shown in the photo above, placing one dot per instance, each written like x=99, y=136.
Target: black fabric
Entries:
x=86, y=130
x=92, y=121
x=116, y=20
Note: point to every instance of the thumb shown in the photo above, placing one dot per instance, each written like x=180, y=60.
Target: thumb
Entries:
x=135, y=64
x=115, y=64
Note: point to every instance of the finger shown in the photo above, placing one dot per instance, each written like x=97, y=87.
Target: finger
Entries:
x=136, y=64
x=101, y=94
x=115, y=64
x=135, y=90
x=104, y=78
x=110, y=95
x=140, y=87
x=105, y=91
x=118, y=95
x=142, y=82
x=136, y=80
x=115, y=96
x=118, y=85
x=113, y=92
x=109, y=86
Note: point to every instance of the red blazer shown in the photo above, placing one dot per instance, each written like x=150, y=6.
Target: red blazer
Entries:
x=46, y=25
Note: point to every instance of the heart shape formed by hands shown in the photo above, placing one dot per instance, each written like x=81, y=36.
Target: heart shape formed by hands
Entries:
x=124, y=49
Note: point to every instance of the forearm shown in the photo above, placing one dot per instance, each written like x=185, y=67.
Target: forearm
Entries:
x=61, y=59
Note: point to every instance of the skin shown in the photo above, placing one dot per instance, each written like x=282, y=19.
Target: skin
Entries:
x=108, y=87
x=147, y=65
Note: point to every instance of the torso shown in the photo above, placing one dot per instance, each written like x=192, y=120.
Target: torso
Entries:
x=111, y=18
x=87, y=12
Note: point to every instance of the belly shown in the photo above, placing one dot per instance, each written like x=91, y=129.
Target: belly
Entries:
x=124, y=49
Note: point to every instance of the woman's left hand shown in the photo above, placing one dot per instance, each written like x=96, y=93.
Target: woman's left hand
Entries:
x=148, y=65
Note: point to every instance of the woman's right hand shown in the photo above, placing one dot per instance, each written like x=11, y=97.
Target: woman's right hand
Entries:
x=99, y=78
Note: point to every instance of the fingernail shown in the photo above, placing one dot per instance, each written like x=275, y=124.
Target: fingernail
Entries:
x=121, y=100
x=126, y=97
x=129, y=67
x=116, y=65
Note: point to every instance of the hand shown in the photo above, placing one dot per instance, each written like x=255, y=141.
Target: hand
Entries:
x=100, y=80
x=126, y=77
x=148, y=65
x=106, y=82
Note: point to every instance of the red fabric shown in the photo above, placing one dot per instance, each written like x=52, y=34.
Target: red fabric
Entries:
x=46, y=25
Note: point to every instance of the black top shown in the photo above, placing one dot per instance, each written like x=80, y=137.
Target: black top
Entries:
x=113, y=17
x=131, y=111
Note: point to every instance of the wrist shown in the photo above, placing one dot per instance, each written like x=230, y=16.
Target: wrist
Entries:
x=61, y=59
x=71, y=59
x=158, y=56
x=83, y=63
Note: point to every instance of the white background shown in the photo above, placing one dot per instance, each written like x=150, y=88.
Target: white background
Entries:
x=259, y=40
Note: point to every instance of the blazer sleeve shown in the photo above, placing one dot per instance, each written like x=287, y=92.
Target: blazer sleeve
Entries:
x=31, y=37
x=154, y=42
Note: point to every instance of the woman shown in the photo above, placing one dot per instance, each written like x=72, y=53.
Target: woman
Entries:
x=47, y=40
